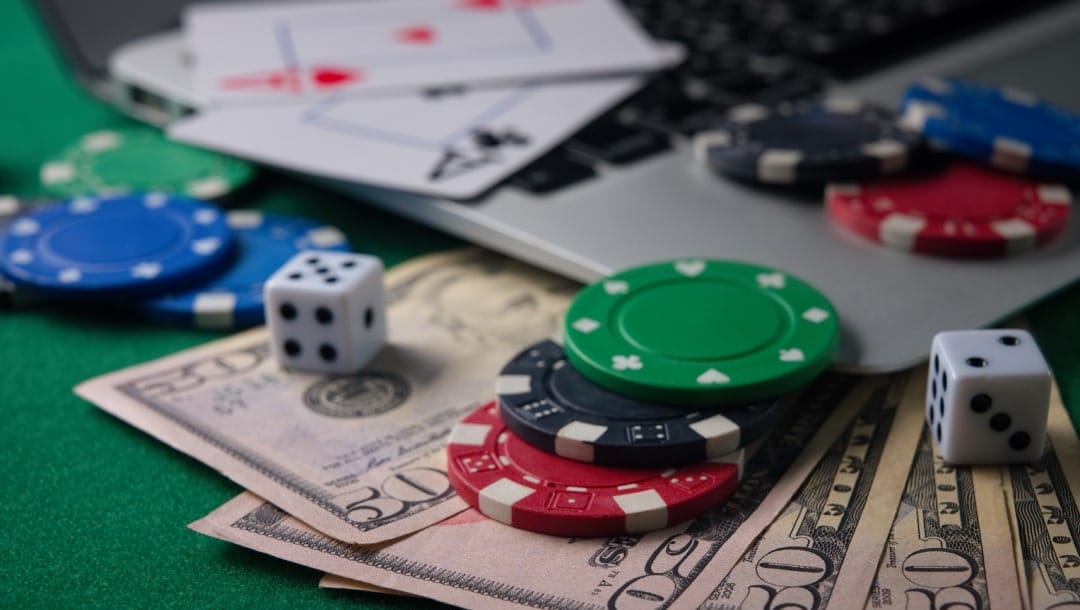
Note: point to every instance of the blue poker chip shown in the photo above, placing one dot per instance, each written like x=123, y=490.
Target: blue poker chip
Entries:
x=103, y=247
x=1006, y=128
x=234, y=299
x=807, y=142
x=548, y=404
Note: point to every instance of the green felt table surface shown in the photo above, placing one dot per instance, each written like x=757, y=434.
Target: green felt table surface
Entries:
x=94, y=512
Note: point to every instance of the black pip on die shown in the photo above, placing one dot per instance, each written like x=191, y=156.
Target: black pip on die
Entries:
x=987, y=396
x=326, y=311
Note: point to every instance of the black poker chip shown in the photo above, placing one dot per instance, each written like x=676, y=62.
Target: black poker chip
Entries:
x=548, y=404
x=807, y=142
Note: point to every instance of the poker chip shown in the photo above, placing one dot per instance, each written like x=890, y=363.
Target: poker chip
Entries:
x=234, y=299
x=1009, y=129
x=10, y=208
x=807, y=142
x=515, y=483
x=700, y=332
x=548, y=404
x=111, y=246
x=965, y=210
x=127, y=160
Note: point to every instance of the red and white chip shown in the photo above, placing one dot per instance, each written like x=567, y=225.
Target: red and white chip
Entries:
x=965, y=210
x=513, y=482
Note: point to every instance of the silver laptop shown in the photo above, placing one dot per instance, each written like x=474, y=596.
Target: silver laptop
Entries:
x=626, y=190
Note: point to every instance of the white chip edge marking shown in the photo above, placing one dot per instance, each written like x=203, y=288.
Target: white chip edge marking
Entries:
x=205, y=246
x=9, y=205
x=1054, y=194
x=645, y=511
x=146, y=270
x=936, y=84
x=739, y=457
x=326, y=237
x=69, y=275
x=720, y=433
x=83, y=205
x=778, y=166
x=498, y=499
x=747, y=113
x=774, y=279
x=1019, y=96
x=210, y=187
x=244, y=219
x=842, y=189
x=57, y=172
x=214, y=310
x=690, y=268
x=22, y=256
x=892, y=155
x=707, y=140
x=615, y=287
x=712, y=377
x=585, y=325
x=793, y=354
x=917, y=112
x=99, y=141
x=1019, y=234
x=155, y=200
x=205, y=216
x=816, y=315
x=25, y=226
x=575, y=441
x=472, y=435
x=900, y=230
x=1011, y=155
x=507, y=385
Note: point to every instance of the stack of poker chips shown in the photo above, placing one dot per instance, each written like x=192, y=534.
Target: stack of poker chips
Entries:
x=994, y=185
x=670, y=377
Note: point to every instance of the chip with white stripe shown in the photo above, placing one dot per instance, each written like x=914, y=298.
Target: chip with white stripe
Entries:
x=1009, y=129
x=141, y=159
x=515, y=483
x=116, y=246
x=234, y=299
x=547, y=403
x=807, y=142
x=964, y=210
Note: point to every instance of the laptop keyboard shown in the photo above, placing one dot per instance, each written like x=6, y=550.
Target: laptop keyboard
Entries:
x=741, y=51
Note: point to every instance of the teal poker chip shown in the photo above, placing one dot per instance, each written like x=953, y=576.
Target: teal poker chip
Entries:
x=700, y=332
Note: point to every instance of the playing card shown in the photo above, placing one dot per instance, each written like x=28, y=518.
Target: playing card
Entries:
x=266, y=52
x=452, y=143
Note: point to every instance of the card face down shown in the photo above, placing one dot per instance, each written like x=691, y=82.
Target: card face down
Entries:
x=452, y=143
x=253, y=53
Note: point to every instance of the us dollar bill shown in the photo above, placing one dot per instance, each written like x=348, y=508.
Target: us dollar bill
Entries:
x=360, y=457
x=472, y=561
x=1045, y=516
x=815, y=554
x=950, y=544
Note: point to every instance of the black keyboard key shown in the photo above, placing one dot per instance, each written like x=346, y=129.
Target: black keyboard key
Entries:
x=616, y=143
x=551, y=172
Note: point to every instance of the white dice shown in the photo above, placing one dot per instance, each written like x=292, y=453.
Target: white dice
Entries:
x=326, y=311
x=987, y=396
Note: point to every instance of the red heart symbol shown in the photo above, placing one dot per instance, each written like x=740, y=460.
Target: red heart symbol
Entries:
x=482, y=5
x=328, y=77
x=418, y=34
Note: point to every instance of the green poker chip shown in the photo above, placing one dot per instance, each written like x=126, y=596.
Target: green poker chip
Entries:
x=700, y=332
x=116, y=161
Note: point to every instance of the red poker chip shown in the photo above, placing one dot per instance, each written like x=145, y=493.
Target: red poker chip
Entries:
x=966, y=210
x=513, y=482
